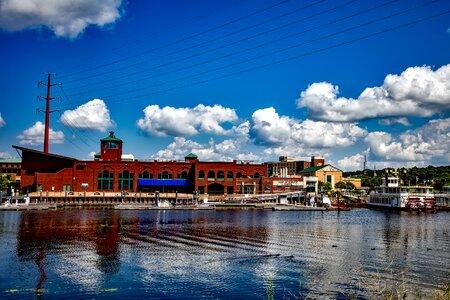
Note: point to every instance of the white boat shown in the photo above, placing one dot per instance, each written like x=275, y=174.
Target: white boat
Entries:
x=393, y=195
x=443, y=198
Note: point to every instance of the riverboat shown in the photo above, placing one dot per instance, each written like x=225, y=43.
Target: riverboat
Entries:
x=391, y=194
x=443, y=198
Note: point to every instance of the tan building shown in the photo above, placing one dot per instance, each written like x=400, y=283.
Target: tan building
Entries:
x=324, y=173
x=356, y=181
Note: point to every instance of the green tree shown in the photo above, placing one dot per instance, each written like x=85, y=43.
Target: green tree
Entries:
x=325, y=186
x=4, y=182
x=340, y=185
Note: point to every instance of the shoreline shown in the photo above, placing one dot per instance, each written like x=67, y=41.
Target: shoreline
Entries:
x=127, y=206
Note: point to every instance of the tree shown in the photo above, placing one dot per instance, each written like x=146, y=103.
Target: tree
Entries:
x=340, y=185
x=4, y=182
x=325, y=186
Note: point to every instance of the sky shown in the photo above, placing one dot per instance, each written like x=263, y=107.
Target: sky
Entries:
x=242, y=80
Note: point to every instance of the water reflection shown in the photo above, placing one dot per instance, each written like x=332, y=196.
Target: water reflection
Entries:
x=219, y=254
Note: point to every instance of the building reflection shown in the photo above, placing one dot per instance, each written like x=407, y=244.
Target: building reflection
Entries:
x=60, y=233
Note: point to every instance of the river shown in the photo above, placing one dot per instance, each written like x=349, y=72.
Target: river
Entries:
x=231, y=254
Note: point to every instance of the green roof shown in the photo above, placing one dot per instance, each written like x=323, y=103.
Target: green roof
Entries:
x=191, y=155
x=313, y=169
x=16, y=160
x=111, y=138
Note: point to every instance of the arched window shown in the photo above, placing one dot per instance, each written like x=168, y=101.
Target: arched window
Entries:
x=230, y=176
x=164, y=175
x=211, y=175
x=125, y=181
x=183, y=175
x=256, y=175
x=145, y=175
x=201, y=175
x=105, y=180
x=220, y=176
x=238, y=175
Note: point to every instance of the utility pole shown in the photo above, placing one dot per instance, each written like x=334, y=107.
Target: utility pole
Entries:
x=47, y=110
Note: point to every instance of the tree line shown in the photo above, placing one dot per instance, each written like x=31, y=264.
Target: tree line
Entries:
x=438, y=177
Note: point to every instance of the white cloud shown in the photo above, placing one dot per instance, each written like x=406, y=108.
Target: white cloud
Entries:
x=352, y=163
x=171, y=121
x=93, y=115
x=391, y=121
x=5, y=155
x=34, y=135
x=273, y=130
x=66, y=18
x=418, y=91
x=428, y=143
x=227, y=150
x=2, y=122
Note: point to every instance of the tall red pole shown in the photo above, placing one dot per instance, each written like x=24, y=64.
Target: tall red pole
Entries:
x=47, y=111
x=47, y=115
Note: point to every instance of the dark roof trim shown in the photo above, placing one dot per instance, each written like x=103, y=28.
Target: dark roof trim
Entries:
x=43, y=153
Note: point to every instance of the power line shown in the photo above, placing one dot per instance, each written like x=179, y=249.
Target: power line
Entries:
x=177, y=41
x=168, y=29
x=231, y=54
x=272, y=52
x=240, y=30
x=288, y=59
x=74, y=124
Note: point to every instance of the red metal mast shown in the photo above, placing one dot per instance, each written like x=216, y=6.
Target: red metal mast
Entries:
x=47, y=111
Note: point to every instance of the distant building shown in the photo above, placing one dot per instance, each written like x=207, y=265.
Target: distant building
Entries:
x=11, y=167
x=324, y=173
x=289, y=167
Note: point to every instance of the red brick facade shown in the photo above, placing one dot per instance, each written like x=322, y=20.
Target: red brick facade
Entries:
x=108, y=172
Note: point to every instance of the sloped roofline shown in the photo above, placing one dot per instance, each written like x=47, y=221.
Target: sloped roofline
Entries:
x=44, y=153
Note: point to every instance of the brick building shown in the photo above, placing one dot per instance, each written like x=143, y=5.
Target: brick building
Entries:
x=110, y=171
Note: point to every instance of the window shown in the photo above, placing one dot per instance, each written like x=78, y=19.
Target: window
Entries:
x=256, y=175
x=230, y=176
x=220, y=176
x=201, y=175
x=105, y=180
x=230, y=190
x=145, y=175
x=329, y=178
x=111, y=145
x=239, y=175
x=164, y=175
x=125, y=181
x=211, y=175
x=183, y=175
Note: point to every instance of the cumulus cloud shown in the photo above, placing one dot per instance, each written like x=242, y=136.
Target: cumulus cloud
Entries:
x=171, y=121
x=424, y=144
x=392, y=121
x=66, y=18
x=352, y=163
x=5, y=155
x=227, y=150
x=2, y=122
x=93, y=115
x=34, y=135
x=418, y=91
x=273, y=130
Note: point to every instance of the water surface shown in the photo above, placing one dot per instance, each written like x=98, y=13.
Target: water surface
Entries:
x=96, y=253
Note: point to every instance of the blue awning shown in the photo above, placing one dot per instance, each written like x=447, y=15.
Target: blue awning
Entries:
x=164, y=182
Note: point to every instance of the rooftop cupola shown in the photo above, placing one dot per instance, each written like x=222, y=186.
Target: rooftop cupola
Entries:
x=191, y=157
x=111, y=148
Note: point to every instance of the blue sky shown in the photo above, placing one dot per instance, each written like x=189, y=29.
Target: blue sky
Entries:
x=245, y=80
